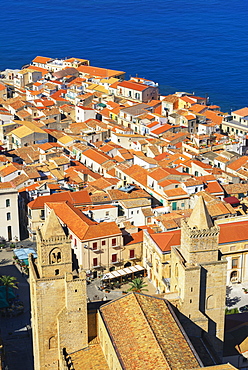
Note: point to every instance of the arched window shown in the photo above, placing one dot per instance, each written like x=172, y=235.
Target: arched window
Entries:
x=210, y=302
x=52, y=343
x=55, y=256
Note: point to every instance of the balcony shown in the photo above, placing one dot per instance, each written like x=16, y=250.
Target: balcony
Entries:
x=148, y=263
x=97, y=251
x=116, y=247
x=119, y=260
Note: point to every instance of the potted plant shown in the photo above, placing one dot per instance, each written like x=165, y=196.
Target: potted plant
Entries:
x=245, y=290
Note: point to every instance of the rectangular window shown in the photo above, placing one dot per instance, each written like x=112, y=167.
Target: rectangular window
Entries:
x=114, y=258
x=8, y=216
x=75, y=243
x=114, y=242
x=234, y=263
x=95, y=263
x=131, y=253
x=103, y=242
x=7, y=202
x=94, y=246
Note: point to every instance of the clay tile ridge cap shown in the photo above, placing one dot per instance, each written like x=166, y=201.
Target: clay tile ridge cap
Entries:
x=51, y=227
x=200, y=217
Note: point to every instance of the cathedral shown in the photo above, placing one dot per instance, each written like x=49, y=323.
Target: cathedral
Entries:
x=136, y=331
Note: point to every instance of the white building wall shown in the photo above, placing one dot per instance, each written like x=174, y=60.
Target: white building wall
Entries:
x=9, y=225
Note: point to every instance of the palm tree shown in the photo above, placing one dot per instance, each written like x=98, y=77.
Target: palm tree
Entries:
x=8, y=282
x=137, y=285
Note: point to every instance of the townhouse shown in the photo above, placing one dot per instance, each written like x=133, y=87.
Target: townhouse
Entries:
x=137, y=91
x=9, y=227
x=97, y=246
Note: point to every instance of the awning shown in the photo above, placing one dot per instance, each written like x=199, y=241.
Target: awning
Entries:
x=22, y=254
x=122, y=272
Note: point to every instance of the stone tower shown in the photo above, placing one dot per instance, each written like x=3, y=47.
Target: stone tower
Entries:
x=58, y=298
x=198, y=275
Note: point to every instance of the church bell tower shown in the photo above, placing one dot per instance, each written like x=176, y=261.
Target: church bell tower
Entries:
x=199, y=277
x=58, y=298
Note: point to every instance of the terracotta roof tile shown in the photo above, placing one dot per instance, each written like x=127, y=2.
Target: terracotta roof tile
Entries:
x=146, y=334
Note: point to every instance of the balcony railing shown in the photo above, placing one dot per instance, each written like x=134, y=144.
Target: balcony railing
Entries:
x=116, y=247
x=119, y=260
x=148, y=263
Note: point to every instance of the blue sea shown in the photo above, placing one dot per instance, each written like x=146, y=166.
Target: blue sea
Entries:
x=196, y=46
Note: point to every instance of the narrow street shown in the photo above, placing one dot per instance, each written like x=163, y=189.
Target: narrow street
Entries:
x=15, y=331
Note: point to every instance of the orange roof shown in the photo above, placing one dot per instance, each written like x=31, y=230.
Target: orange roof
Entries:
x=6, y=185
x=100, y=72
x=39, y=69
x=167, y=239
x=233, y=232
x=187, y=99
x=230, y=232
x=158, y=109
x=198, y=108
x=2, y=87
x=115, y=84
x=152, y=124
x=189, y=116
x=77, y=198
x=236, y=165
x=7, y=170
x=213, y=116
x=133, y=85
x=158, y=174
x=213, y=107
x=177, y=192
x=80, y=225
x=202, y=165
x=134, y=238
x=161, y=129
x=96, y=156
x=39, y=59
x=214, y=187
x=241, y=112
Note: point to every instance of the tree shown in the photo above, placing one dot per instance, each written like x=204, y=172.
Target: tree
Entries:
x=2, y=241
x=137, y=285
x=8, y=282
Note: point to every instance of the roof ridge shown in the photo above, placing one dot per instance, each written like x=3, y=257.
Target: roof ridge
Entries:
x=149, y=325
